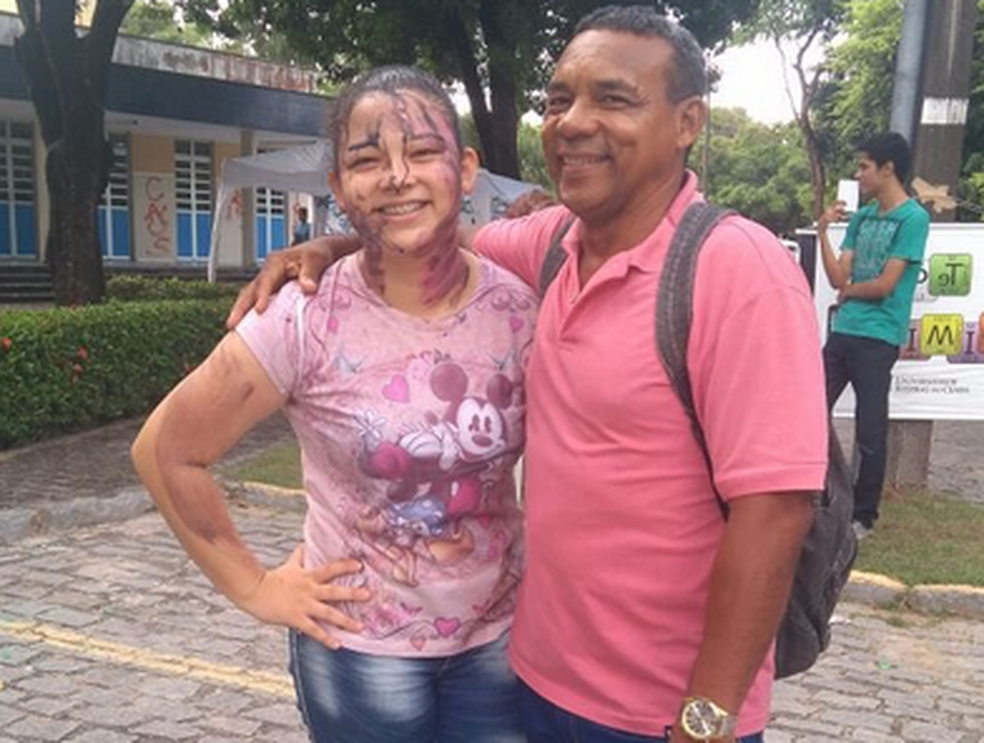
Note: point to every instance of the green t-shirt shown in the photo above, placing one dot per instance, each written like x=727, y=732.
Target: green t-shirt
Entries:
x=874, y=238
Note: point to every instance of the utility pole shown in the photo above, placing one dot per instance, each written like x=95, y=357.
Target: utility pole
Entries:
x=938, y=143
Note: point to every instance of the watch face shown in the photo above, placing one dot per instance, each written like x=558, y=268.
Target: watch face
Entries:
x=700, y=720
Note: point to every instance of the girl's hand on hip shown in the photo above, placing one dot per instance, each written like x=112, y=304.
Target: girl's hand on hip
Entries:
x=304, y=599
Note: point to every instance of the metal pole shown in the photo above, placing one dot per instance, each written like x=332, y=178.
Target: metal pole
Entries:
x=905, y=90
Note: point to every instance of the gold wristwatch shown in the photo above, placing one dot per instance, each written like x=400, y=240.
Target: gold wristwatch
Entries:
x=701, y=719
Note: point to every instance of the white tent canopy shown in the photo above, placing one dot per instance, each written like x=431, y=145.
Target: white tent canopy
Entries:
x=305, y=170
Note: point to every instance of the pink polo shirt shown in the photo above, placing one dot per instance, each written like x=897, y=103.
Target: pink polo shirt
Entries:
x=622, y=524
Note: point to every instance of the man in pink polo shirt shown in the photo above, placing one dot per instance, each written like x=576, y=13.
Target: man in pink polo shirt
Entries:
x=641, y=607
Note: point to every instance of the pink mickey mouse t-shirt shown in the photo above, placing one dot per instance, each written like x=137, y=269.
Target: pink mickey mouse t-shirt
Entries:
x=410, y=429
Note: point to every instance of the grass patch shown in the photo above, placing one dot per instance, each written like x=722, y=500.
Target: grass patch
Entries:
x=278, y=465
x=924, y=537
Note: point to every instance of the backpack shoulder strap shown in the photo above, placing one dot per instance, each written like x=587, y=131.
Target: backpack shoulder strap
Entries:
x=554, y=258
x=674, y=308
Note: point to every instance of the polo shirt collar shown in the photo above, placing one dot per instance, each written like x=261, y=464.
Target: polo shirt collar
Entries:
x=648, y=255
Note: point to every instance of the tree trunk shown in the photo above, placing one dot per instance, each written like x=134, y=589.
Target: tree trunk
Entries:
x=818, y=173
x=497, y=124
x=66, y=77
x=73, y=248
x=503, y=149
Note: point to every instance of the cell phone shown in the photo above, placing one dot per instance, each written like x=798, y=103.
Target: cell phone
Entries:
x=847, y=191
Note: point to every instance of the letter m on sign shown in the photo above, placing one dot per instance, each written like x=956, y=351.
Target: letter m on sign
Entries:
x=941, y=335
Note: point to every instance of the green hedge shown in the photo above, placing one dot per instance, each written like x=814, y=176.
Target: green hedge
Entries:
x=65, y=370
x=129, y=288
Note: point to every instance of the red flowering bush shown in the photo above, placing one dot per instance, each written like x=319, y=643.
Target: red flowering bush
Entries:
x=65, y=370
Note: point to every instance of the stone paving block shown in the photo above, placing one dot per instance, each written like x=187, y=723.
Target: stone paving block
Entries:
x=278, y=714
x=47, y=706
x=227, y=701
x=40, y=729
x=102, y=736
x=63, y=665
x=69, y=617
x=917, y=732
x=858, y=720
x=16, y=655
x=9, y=714
x=830, y=699
x=870, y=736
x=52, y=684
x=809, y=727
x=168, y=730
x=922, y=701
x=234, y=726
x=173, y=689
x=115, y=713
x=11, y=674
x=841, y=686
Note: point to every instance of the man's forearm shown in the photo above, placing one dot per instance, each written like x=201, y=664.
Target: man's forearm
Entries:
x=836, y=274
x=750, y=585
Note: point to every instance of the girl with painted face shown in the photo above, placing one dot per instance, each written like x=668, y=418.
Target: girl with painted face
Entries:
x=403, y=379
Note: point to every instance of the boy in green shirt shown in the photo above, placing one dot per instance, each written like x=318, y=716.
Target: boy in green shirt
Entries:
x=875, y=275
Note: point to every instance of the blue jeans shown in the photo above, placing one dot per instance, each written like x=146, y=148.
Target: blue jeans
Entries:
x=545, y=722
x=349, y=697
x=866, y=364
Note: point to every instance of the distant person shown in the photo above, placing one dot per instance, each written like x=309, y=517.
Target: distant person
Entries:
x=643, y=612
x=875, y=275
x=403, y=377
x=528, y=202
x=302, y=229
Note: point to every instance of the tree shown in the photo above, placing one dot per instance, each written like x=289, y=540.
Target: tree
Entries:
x=500, y=50
x=857, y=99
x=66, y=75
x=808, y=25
x=155, y=19
x=532, y=163
x=760, y=170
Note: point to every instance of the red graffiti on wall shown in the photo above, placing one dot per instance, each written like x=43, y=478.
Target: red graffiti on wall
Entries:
x=156, y=220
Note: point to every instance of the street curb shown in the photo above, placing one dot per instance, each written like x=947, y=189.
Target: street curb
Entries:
x=20, y=523
x=267, y=496
x=881, y=591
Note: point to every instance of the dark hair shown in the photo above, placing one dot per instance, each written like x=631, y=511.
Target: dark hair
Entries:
x=689, y=74
x=390, y=79
x=889, y=147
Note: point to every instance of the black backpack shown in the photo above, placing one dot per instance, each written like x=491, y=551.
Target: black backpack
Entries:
x=830, y=546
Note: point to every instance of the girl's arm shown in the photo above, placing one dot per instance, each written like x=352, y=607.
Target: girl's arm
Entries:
x=190, y=430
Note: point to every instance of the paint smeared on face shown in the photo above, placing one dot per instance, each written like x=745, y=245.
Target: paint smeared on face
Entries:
x=400, y=172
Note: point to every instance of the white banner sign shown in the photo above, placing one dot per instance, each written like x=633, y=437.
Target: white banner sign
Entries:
x=940, y=373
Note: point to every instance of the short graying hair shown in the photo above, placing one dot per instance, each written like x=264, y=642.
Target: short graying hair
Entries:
x=689, y=74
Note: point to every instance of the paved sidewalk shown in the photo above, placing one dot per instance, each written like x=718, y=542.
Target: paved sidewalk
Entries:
x=108, y=634
x=88, y=478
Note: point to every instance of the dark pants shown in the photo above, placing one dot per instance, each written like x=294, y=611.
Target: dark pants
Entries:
x=545, y=722
x=866, y=364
